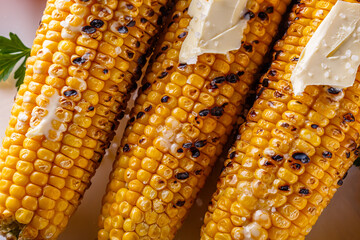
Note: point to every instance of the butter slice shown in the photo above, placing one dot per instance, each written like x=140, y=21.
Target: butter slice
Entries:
x=216, y=26
x=332, y=55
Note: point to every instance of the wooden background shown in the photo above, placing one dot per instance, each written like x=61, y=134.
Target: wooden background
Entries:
x=340, y=221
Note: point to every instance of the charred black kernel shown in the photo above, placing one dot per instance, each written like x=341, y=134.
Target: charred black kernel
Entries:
x=332, y=90
x=148, y=108
x=294, y=59
x=297, y=18
x=304, y=191
x=200, y=143
x=285, y=125
x=123, y=29
x=142, y=60
x=97, y=23
x=218, y=80
x=268, y=163
x=79, y=61
x=278, y=94
x=249, y=15
x=259, y=92
x=187, y=145
x=301, y=157
x=277, y=53
x=272, y=73
x=213, y=85
x=180, y=203
x=195, y=152
x=131, y=23
x=180, y=150
x=129, y=6
x=182, y=65
x=175, y=16
x=225, y=104
x=137, y=44
x=164, y=48
x=270, y=9
x=182, y=175
x=169, y=68
x=198, y=172
x=347, y=154
x=121, y=115
x=164, y=99
x=140, y=114
x=130, y=54
x=314, y=126
x=252, y=113
x=183, y=34
x=295, y=166
x=265, y=82
x=132, y=119
x=126, y=148
x=204, y=113
x=105, y=71
x=143, y=20
x=162, y=75
x=141, y=140
x=70, y=93
x=145, y=86
x=185, y=10
x=340, y=182
x=345, y=175
x=248, y=47
x=88, y=29
x=232, y=78
x=327, y=154
x=277, y=157
x=150, y=13
x=255, y=41
x=232, y=155
x=284, y=188
x=263, y=16
x=348, y=117
x=240, y=73
x=91, y=108
x=217, y=111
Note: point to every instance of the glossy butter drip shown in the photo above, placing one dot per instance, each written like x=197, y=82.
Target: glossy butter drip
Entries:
x=216, y=27
x=332, y=56
x=42, y=118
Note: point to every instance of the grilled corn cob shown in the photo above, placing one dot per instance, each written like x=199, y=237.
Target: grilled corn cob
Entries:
x=85, y=59
x=180, y=122
x=293, y=151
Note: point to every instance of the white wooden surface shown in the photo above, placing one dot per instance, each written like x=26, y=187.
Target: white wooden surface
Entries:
x=340, y=221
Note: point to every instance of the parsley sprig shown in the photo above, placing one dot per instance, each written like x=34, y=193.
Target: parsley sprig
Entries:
x=13, y=50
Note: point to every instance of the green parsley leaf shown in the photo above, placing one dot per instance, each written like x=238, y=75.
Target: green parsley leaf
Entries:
x=12, y=50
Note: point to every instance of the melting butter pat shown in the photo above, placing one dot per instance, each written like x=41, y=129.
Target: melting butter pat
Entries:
x=216, y=26
x=332, y=55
